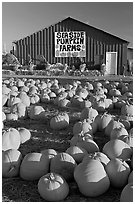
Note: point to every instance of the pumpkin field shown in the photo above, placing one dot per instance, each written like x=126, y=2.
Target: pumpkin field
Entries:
x=67, y=139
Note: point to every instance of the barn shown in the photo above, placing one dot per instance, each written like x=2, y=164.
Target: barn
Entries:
x=92, y=44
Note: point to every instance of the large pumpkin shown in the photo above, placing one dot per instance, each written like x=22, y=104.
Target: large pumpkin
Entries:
x=24, y=98
x=20, y=109
x=82, y=127
x=33, y=166
x=53, y=187
x=90, y=113
x=91, y=178
x=104, y=121
x=63, y=164
x=25, y=134
x=60, y=121
x=98, y=156
x=10, y=139
x=117, y=149
x=117, y=132
x=118, y=172
x=127, y=193
x=11, y=160
x=111, y=125
x=130, y=178
x=77, y=153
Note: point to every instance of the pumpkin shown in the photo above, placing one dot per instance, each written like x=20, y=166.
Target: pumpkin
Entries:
x=5, y=90
x=24, y=98
x=118, y=132
x=90, y=113
x=111, y=125
x=83, y=93
x=86, y=104
x=76, y=101
x=117, y=149
x=114, y=92
x=36, y=112
x=49, y=152
x=91, y=183
x=11, y=117
x=82, y=127
x=13, y=100
x=10, y=139
x=45, y=98
x=20, y=109
x=99, y=106
x=79, y=137
x=34, y=166
x=53, y=187
x=63, y=164
x=60, y=121
x=77, y=153
x=64, y=103
x=34, y=99
x=127, y=193
x=4, y=99
x=108, y=103
x=11, y=160
x=127, y=110
x=88, y=144
x=104, y=121
x=3, y=116
x=126, y=123
x=118, y=172
x=98, y=156
x=130, y=178
x=25, y=134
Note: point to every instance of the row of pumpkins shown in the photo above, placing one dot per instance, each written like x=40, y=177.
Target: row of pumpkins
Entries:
x=20, y=94
x=93, y=170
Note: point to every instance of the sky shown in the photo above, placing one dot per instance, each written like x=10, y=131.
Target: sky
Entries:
x=20, y=19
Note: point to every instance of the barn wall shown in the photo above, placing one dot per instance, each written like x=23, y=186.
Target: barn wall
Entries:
x=97, y=44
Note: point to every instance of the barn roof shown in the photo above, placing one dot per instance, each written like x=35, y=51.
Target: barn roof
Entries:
x=97, y=29
x=78, y=21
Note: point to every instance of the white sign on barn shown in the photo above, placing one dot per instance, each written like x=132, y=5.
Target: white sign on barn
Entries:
x=70, y=44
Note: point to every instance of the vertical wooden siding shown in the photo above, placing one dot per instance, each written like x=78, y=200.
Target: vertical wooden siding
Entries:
x=43, y=42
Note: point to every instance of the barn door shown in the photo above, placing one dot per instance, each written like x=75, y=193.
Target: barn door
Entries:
x=111, y=63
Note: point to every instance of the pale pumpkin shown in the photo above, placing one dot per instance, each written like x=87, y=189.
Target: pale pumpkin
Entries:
x=127, y=193
x=104, y=121
x=111, y=125
x=11, y=160
x=34, y=166
x=11, y=117
x=63, y=164
x=36, y=112
x=53, y=187
x=90, y=113
x=10, y=139
x=117, y=149
x=118, y=132
x=60, y=121
x=49, y=152
x=24, y=98
x=77, y=153
x=25, y=135
x=20, y=109
x=97, y=156
x=82, y=127
x=91, y=178
x=118, y=172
